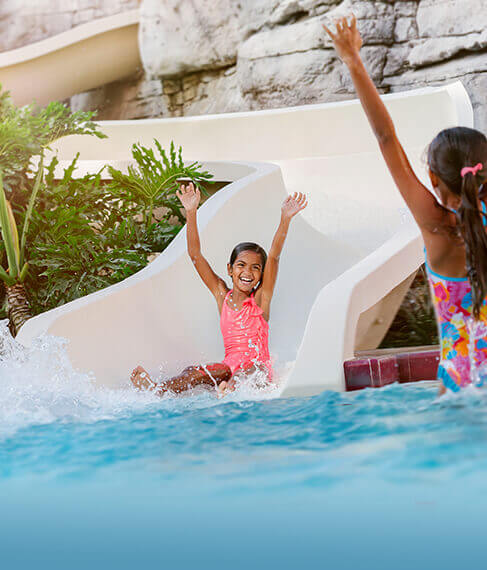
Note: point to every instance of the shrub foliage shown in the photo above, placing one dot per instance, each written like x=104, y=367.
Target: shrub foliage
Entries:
x=62, y=239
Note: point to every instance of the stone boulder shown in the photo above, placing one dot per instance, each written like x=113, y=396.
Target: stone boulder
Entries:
x=375, y=19
x=229, y=55
x=182, y=37
x=437, y=50
x=451, y=17
x=259, y=14
x=301, y=77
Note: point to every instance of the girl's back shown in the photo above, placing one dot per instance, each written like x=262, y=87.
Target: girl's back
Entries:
x=452, y=224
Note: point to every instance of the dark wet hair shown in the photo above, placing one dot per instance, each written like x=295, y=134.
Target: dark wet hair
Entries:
x=248, y=246
x=450, y=152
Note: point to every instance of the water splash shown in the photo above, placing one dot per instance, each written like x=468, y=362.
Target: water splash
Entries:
x=255, y=386
x=38, y=386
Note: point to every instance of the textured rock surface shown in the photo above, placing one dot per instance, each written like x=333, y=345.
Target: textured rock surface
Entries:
x=451, y=17
x=282, y=57
x=181, y=37
x=212, y=56
x=26, y=21
x=440, y=49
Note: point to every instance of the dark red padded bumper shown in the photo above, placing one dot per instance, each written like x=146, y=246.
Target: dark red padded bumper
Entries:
x=381, y=368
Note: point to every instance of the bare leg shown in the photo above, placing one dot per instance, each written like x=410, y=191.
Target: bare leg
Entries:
x=189, y=378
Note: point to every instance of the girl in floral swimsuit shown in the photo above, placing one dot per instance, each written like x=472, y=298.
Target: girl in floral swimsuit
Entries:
x=452, y=223
x=244, y=309
x=463, y=337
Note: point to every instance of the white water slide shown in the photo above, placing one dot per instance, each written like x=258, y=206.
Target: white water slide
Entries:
x=85, y=57
x=349, y=258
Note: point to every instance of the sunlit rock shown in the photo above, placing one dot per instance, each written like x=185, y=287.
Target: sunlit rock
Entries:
x=181, y=37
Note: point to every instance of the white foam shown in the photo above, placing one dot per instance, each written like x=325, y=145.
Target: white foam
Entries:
x=38, y=385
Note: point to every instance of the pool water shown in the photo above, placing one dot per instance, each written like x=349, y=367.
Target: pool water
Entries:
x=95, y=478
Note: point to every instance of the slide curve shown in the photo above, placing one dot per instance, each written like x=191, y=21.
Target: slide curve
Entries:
x=82, y=58
x=348, y=261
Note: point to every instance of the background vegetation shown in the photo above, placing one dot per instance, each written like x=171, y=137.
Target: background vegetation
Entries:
x=78, y=235
x=415, y=322
x=87, y=234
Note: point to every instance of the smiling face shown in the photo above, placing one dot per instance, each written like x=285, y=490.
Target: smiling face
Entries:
x=246, y=271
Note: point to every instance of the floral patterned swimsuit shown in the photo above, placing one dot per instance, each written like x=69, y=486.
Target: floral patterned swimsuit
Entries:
x=463, y=340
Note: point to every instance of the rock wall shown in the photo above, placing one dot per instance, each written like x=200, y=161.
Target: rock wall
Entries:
x=213, y=56
x=23, y=22
x=271, y=53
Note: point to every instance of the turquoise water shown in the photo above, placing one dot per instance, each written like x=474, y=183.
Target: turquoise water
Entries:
x=93, y=478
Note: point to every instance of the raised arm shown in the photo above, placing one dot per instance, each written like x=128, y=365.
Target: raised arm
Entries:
x=290, y=207
x=190, y=199
x=347, y=42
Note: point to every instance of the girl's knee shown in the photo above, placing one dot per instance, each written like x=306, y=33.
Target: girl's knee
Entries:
x=219, y=371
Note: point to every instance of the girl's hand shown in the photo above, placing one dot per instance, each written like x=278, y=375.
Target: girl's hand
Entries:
x=224, y=388
x=294, y=204
x=189, y=197
x=347, y=39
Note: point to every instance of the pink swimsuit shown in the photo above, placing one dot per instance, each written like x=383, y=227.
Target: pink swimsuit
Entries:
x=245, y=336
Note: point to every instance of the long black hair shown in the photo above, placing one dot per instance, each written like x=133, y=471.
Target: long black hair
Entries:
x=248, y=246
x=452, y=151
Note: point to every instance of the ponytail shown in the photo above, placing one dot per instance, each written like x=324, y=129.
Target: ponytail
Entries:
x=471, y=224
x=458, y=156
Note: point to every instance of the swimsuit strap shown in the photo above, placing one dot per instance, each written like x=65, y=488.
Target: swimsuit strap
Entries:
x=484, y=221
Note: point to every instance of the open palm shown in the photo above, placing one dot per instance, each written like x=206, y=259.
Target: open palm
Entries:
x=293, y=204
x=346, y=39
x=189, y=196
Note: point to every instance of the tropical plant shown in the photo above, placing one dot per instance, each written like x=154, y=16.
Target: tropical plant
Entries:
x=14, y=277
x=76, y=244
x=153, y=182
x=87, y=234
x=25, y=133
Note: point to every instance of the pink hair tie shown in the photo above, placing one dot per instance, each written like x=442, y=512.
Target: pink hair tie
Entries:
x=471, y=169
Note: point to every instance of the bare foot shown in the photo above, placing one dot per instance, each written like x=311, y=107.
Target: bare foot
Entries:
x=226, y=387
x=141, y=379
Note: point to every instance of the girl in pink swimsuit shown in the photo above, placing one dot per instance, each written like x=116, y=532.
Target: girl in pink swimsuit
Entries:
x=452, y=223
x=244, y=309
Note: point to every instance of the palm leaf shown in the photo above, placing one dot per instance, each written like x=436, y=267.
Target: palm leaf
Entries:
x=7, y=235
x=30, y=207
